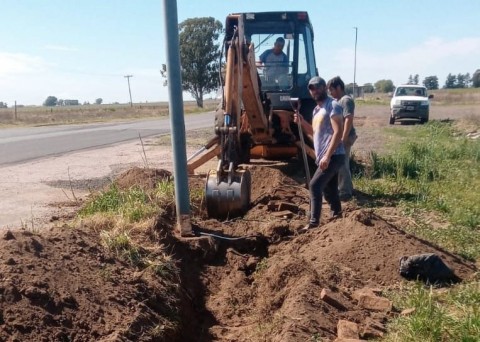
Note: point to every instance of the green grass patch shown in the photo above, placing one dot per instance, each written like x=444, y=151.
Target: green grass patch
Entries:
x=433, y=168
x=133, y=204
x=448, y=315
x=433, y=176
x=120, y=243
x=136, y=204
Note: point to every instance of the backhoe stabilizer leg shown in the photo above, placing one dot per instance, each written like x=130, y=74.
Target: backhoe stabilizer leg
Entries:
x=203, y=155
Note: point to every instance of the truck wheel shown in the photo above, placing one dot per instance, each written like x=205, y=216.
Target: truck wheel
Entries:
x=392, y=121
x=422, y=121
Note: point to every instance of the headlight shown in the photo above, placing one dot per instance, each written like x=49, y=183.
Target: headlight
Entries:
x=424, y=103
x=397, y=102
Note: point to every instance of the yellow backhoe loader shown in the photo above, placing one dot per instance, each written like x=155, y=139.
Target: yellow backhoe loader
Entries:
x=255, y=117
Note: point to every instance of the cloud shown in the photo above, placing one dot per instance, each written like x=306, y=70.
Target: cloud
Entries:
x=60, y=48
x=432, y=57
x=18, y=63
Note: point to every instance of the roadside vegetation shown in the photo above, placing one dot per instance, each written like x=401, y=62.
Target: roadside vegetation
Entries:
x=93, y=113
x=443, y=97
x=123, y=215
x=450, y=315
x=432, y=176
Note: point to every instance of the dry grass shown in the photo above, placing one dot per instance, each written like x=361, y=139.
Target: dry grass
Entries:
x=468, y=124
x=468, y=96
x=36, y=116
x=456, y=96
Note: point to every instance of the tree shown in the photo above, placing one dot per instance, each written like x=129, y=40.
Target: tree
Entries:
x=384, y=86
x=468, y=80
x=460, y=81
x=3, y=105
x=163, y=72
x=415, y=79
x=450, y=82
x=60, y=102
x=368, y=88
x=99, y=101
x=476, y=79
x=349, y=88
x=51, y=101
x=199, y=56
x=431, y=82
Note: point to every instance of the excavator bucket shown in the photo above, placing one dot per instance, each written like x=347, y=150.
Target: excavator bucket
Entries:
x=228, y=194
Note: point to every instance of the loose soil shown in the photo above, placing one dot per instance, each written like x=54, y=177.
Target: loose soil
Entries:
x=62, y=284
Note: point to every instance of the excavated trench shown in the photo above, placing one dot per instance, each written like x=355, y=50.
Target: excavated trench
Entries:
x=268, y=285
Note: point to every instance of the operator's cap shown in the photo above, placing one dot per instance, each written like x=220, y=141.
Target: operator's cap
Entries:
x=316, y=82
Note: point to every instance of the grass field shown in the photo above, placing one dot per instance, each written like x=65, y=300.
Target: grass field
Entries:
x=33, y=116
x=39, y=115
x=432, y=177
x=467, y=96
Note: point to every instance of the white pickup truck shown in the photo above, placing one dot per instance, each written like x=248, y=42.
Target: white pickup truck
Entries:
x=410, y=102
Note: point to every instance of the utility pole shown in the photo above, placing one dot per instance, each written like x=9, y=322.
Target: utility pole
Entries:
x=177, y=120
x=355, y=61
x=129, y=91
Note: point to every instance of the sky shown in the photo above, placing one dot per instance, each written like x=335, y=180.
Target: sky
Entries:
x=82, y=49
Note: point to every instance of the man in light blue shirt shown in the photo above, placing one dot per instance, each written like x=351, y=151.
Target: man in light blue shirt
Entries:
x=326, y=128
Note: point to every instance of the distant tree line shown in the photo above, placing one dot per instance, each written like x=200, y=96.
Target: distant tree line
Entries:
x=52, y=101
x=430, y=82
x=458, y=81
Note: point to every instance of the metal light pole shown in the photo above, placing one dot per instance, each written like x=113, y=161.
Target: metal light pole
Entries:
x=128, y=80
x=177, y=121
x=355, y=61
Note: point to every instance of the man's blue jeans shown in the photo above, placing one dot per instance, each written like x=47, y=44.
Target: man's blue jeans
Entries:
x=345, y=185
x=325, y=183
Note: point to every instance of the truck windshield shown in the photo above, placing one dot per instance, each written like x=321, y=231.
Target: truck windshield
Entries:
x=410, y=91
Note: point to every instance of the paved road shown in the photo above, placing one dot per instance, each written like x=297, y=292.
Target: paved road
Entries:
x=24, y=144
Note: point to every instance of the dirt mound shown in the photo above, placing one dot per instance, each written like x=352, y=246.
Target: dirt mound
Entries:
x=366, y=247
x=268, y=286
x=244, y=279
x=143, y=178
x=63, y=286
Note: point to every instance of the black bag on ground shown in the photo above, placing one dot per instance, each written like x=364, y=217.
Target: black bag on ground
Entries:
x=427, y=267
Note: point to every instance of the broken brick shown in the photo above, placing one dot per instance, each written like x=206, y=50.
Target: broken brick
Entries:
x=347, y=329
x=328, y=297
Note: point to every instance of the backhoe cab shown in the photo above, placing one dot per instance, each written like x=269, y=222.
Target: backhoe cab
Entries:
x=255, y=118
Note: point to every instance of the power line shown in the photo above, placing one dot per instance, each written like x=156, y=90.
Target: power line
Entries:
x=129, y=91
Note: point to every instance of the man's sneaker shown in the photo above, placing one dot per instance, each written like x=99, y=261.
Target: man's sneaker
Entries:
x=308, y=227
